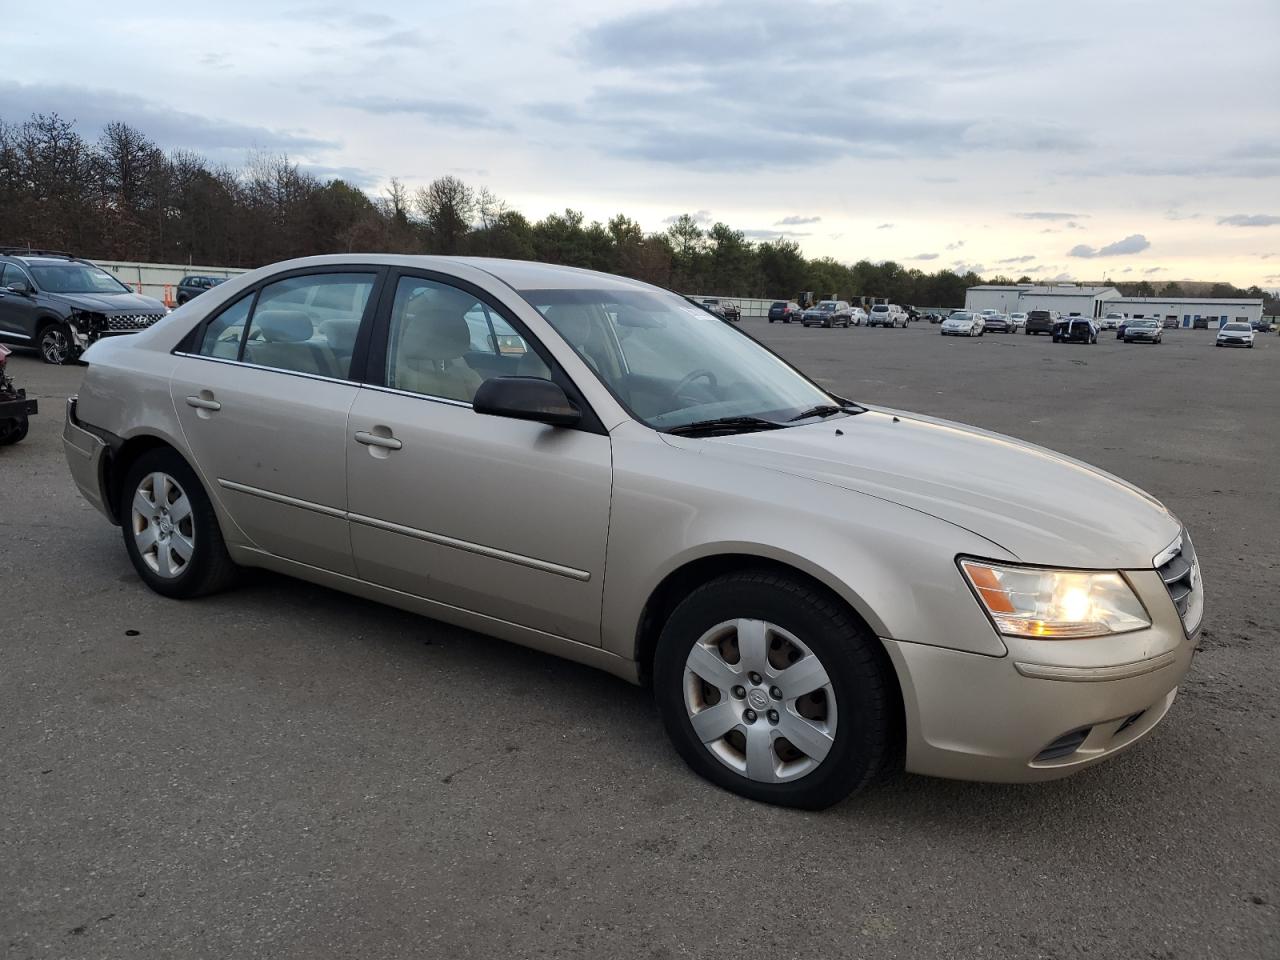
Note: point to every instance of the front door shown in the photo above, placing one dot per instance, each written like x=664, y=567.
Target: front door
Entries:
x=17, y=311
x=501, y=517
x=263, y=400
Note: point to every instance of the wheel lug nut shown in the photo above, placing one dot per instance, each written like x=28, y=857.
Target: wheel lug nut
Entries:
x=739, y=692
x=775, y=693
x=749, y=716
x=773, y=716
x=755, y=677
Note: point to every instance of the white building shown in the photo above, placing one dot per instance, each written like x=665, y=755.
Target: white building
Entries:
x=1065, y=298
x=1185, y=311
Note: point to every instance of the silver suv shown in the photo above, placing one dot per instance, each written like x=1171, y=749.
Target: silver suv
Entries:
x=819, y=591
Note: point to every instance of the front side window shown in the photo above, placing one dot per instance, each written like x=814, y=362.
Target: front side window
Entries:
x=308, y=324
x=444, y=342
x=75, y=278
x=670, y=363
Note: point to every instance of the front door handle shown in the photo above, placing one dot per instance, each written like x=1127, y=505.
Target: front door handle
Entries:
x=203, y=403
x=374, y=440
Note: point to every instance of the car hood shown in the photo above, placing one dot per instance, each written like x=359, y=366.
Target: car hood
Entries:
x=1042, y=507
x=109, y=302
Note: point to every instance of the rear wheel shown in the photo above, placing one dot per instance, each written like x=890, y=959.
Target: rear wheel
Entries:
x=771, y=688
x=170, y=530
x=13, y=430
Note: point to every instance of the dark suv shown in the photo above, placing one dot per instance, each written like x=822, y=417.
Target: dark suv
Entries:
x=60, y=304
x=1040, y=321
x=191, y=287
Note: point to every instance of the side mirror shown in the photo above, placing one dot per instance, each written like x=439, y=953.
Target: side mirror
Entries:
x=20, y=287
x=526, y=398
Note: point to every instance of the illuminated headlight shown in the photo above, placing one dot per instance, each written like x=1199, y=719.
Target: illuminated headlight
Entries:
x=1055, y=604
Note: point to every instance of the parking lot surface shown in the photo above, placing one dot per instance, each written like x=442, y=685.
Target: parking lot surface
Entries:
x=285, y=771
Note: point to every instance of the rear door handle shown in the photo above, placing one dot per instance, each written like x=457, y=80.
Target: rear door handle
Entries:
x=373, y=440
x=201, y=403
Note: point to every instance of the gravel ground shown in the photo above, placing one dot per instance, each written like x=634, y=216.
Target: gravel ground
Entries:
x=284, y=771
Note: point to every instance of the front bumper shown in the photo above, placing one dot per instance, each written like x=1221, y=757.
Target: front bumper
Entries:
x=1234, y=341
x=975, y=717
x=85, y=452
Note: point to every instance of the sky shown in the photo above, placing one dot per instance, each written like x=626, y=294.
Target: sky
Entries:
x=1070, y=140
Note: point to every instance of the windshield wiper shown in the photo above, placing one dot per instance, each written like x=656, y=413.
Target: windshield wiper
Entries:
x=701, y=428
x=825, y=410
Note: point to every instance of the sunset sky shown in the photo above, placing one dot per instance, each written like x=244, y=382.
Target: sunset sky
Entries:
x=1135, y=140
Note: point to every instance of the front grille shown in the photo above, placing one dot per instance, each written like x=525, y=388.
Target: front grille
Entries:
x=132, y=321
x=1180, y=570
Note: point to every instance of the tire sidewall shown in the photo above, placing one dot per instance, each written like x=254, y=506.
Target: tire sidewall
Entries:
x=208, y=537
x=862, y=736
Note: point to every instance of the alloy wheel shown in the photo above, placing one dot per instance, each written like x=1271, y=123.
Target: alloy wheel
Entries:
x=759, y=700
x=54, y=347
x=163, y=525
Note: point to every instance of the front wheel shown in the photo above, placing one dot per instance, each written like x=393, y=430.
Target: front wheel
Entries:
x=771, y=688
x=170, y=530
x=55, y=344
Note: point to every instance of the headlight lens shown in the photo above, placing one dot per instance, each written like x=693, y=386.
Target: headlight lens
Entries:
x=1055, y=604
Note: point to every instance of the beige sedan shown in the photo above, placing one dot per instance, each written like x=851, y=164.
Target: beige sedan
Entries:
x=820, y=592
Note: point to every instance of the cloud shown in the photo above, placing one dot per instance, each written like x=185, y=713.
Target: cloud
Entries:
x=773, y=234
x=452, y=113
x=356, y=176
x=1062, y=278
x=1027, y=258
x=1134, y=243
x=1049, y=215
x=702, y=218
x=1154, y=270
x=1249, y=220
x=797, y=221
x=93, y=108
x=955, y=246
x=398, y=39
x=1175, y=215
x=962, y=266
x=885, y=226
x=924, y=256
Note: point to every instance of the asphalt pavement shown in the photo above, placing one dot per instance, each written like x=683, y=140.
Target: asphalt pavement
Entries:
x=285, y=771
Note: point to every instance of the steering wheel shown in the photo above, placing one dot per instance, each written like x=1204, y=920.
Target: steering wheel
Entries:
x=700, y=374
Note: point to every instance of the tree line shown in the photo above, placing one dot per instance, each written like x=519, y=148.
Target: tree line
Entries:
x=121, y=197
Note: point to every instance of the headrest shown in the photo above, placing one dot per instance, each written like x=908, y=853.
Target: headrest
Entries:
x=341, y=334
x=434, y=333
x=572, y=321
x=284, y=326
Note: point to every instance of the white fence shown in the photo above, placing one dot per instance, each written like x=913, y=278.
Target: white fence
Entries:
x=159, y=280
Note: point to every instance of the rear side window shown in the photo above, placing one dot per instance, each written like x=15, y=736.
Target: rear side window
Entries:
x=225, y=331
x=308, y=324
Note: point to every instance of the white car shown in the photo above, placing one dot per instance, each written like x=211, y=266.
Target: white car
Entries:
x=1111, y=321
x=1019, y=320
x=1235, y=335
x=859, y=316
x=962, y=323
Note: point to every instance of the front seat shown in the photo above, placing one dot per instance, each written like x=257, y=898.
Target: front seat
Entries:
x=433, y=341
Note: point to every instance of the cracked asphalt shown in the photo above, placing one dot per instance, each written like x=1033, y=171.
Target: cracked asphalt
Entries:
x=283, y=771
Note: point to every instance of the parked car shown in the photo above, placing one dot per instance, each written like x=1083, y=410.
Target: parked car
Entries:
x=61, y=304
x=1142, y=330
x=1040, y=321
x=829, y=313
x=712, y=308
x=731, y=311
x=962, y=323
x=191, y=287
x=784, y=311
x=813, y=607
x=1200, y=323
x=1111, y=321
x=934, y=317
x=1019, y=320
x=997, y=323
x=1235, y=335
x=15, y=408
x=1264, y=325
x=886, y=315
x=911, y=312
x=1075, y=330
x=859, y=316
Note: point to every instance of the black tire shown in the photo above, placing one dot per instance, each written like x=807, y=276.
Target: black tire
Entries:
x=868, y=739
x=13, y=429
x=56, y=345
x=210, y=568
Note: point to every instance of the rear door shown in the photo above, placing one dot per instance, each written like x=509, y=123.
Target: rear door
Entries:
x=502, y=517
x=263, y=394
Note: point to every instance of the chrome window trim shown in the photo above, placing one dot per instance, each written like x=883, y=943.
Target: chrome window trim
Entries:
x=468, y=546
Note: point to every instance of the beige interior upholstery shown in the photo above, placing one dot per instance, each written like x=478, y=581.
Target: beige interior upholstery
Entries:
x=428, y=356
x=287, y=345
x=573, y=322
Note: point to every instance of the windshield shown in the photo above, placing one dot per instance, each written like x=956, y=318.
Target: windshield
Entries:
x=1238, y=327
x=826, y=306
x=670, y=364
x=1142, y=323
x=879, y=308
x=74, y=278
x=959, y=316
